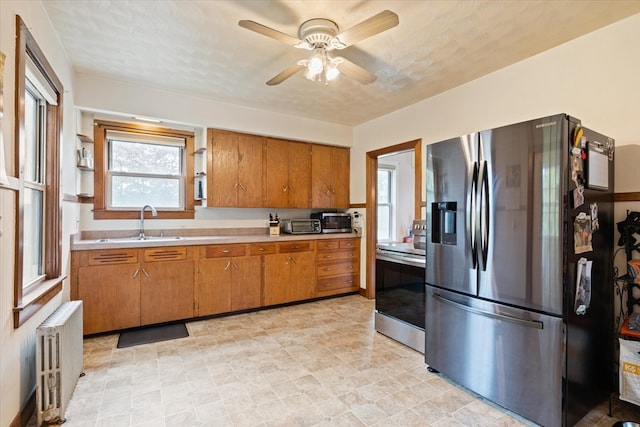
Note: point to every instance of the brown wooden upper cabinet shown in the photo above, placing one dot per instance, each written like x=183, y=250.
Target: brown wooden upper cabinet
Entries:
x=329, y=177
x=252, y=171
x=288, y=174
x=234, y=169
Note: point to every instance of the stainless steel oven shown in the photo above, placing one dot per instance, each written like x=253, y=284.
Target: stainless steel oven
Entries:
x=400, y=293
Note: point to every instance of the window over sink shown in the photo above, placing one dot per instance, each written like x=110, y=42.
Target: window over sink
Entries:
x=145, y=171
x=137, y=165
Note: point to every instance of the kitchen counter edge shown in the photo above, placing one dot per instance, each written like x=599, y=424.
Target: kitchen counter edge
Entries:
x=78, y=244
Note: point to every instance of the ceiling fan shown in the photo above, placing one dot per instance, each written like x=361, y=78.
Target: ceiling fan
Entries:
x=322, y=36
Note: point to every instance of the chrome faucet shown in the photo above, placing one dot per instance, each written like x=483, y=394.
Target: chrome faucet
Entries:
x=154, y=212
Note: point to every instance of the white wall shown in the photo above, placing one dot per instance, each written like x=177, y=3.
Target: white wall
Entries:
x=17, y=357
x=103, y=94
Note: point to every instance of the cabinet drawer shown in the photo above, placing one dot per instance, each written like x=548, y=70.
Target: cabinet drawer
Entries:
x=337, y=255
x=113, y=256
x=338, y=268
x=345, y=283
x=262, y=248
x=324, y=245
x=165, y=254
x=218, y=251
x=346, y=244
x=295, y=247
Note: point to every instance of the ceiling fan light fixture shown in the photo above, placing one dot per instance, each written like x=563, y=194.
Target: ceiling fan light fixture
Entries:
x=317, y=61
x=331, y=71
x=320, y=67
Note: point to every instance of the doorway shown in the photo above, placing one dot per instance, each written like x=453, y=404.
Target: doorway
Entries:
x=372, y=165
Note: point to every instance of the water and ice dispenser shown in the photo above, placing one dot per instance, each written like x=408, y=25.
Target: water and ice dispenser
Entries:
x=443, y=223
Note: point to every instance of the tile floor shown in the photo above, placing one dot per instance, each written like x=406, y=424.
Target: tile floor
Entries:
x=315, y=364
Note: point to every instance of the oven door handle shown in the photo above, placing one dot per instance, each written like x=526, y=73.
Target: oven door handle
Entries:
x=414, y=261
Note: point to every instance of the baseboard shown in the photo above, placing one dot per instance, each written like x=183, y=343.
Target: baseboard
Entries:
x=27, y=411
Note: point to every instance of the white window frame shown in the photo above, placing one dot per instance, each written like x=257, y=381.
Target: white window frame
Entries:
x=391, y=170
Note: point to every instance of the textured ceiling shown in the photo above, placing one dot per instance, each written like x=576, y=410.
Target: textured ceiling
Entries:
x=197, y=47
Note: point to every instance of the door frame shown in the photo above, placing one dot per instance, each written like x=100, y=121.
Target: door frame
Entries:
x=372, y=202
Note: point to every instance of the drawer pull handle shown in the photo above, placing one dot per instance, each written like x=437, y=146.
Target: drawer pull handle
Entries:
x=261, y=249
x=226, y=251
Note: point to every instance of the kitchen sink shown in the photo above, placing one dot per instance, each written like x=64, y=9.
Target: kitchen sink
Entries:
x=141, y=239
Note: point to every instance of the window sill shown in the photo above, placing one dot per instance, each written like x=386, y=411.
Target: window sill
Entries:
x=36, y=299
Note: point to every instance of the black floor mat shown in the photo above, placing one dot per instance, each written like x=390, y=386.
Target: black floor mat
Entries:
x=152, y=334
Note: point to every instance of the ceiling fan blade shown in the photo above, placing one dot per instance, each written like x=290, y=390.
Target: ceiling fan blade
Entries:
x=355, y=72
x=269, y=32
x=369, y=27
x=285, y=74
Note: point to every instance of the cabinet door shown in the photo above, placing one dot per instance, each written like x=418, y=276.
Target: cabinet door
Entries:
x=299, y=175
x=166, y=292
x=111, y=297
x=250, y=177
x=302, y=282
x=321, y=176
x=277, y=182
x=277, y=272
x=246, y=287
x=222, y=184
x=340, y=161
x=214, y=286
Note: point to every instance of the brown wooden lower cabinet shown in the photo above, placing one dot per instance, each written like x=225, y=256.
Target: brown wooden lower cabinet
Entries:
x=111, y=297
x=290, y=274
x=338, y=267
x=125, y=288
x=166, y=291
x=227, y=279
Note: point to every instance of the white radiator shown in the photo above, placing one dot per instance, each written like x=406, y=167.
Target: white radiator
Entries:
x=59, y=361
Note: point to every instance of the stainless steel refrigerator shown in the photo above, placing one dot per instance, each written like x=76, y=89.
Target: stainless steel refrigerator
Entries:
x=519, y=295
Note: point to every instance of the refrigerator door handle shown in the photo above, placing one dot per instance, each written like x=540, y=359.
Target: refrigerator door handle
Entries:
x=483, y=216
x=470, y=220
x=536, y=324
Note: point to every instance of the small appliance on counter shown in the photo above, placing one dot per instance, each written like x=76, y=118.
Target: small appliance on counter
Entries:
x=301, y=226
x=334, y=222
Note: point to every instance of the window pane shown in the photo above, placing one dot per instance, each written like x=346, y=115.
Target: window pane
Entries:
x=136, y=191
x=32, y=265
x=135, y=157
x=383, y=186
x=31, y=149
x=384, y=218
